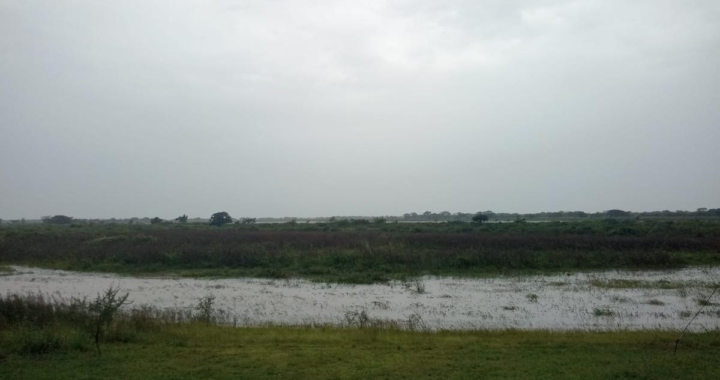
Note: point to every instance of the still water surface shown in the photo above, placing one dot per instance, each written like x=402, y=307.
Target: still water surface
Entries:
x=562, y=302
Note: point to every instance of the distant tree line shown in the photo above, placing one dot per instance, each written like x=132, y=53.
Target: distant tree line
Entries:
x=223, y=218
x=446, y=216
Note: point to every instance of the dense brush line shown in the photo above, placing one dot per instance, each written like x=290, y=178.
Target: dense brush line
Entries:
x=373, y=253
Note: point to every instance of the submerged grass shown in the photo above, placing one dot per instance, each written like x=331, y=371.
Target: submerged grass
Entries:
x=705, y=302
x=643, y=284
x=655, y=302
x=603, y=312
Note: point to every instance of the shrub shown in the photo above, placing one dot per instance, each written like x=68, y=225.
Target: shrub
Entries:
x=103, y=311
x=206, y=309
x=359, y=319
x=220, y=219
x=479, y=218
x=416, y=285
x=30, y=341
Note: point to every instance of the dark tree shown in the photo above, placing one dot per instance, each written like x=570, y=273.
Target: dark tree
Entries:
x=220, y=218
x=479, y=218
x=182, y=219
x=156, y=220
x=58, y=219
x=617, y=213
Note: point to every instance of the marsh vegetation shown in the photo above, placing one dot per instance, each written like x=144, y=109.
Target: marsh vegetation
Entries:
x=350, y=252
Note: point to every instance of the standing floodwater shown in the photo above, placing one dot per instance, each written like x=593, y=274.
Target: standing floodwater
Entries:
x=588, y=301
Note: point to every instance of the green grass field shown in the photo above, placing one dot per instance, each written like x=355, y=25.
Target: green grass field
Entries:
x=194, y=351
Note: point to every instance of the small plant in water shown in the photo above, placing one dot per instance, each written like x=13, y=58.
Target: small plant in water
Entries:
x=359, y=319
x=620, y=299
x=603, y=312
x=656, y=302
x=416, y=285
x=532, y=297
x=704, y=302
x=416, y=323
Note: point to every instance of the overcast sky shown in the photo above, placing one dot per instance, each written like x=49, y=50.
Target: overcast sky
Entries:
x=346, y=107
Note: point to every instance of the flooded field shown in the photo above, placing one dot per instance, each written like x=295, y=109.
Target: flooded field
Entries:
x=584, y=301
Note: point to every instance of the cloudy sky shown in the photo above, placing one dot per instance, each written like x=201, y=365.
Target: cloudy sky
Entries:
x=346, y=107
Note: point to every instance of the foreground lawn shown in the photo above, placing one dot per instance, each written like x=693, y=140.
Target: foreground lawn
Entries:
x=192, y=351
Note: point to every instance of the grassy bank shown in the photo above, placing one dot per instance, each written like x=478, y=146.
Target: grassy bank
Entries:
x=195, y=351
x=43, y=338
x=362, y=253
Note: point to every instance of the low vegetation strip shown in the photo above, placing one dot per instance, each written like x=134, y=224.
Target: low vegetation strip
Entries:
x=642, y=284
x=356, y=255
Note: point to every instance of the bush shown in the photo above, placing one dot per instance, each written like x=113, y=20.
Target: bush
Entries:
x=479, y=218
x=29, y=341
x=31, y=324
x=103, y=311
x=206, y=309
x=220, y=219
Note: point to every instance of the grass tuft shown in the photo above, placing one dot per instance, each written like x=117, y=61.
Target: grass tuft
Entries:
x=603, y=312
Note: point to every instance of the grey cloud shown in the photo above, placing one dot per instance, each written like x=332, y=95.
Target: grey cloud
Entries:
x=272, y=108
